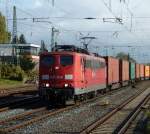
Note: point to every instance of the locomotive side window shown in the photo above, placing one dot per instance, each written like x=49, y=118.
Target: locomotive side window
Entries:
x=103, y=64
x=88, y=63
x=47, y=61
x=66, y=60
x=94, y=64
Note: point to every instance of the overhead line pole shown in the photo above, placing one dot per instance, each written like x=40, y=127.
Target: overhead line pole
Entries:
x=53, y=31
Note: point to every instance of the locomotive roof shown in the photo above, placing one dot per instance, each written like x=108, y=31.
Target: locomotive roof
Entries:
x=71, y=49
x=72, y=53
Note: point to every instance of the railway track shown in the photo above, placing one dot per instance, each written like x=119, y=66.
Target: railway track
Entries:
x=122, y=128
x=29, y=117
x=136, y=120
x=118, y=120
x=32, y=89
x=19, y=102
x=20, y=121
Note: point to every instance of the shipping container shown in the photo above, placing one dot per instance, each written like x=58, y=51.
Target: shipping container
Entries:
x=149, y=72
x=132, y=71
x=137, y=71
x=141, y=71
x=124, y=72
x=112, y=71
x=146, y=72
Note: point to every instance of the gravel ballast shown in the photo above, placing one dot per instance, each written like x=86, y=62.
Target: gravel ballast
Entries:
x=73, y=121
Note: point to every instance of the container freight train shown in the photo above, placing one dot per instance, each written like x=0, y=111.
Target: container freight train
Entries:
x=71, y=73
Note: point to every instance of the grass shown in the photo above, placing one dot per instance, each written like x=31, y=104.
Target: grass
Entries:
x=5, y=83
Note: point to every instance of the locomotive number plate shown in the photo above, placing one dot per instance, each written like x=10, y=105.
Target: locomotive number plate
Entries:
x=68, y=76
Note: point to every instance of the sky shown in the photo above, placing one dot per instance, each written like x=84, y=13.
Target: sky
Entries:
x=68, y=17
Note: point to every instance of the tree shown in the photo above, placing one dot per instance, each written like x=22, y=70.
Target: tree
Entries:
x=15, y=40
x=22, y=39
x=5, y=36
x=26, y=63
x=125, y=56
x=43, y=47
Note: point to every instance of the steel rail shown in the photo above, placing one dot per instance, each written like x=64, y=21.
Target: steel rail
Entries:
x=55, y=112
x=121, y=129
x=108, y=115
x=16, y=90
x=51, y=113
x=22, y=115
x=25, y=123
x=19, y=102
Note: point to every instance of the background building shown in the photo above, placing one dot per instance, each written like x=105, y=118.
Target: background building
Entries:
x=10, y=52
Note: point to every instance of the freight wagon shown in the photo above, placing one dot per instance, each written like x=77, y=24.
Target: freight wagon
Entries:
x=141, y=72
x=112, y=72
x=124, y=72
x=132, y=72
x=146, y=72
x=137, y=72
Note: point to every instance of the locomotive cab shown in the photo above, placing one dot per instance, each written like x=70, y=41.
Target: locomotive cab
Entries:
x=56, y=76
x=70, y=75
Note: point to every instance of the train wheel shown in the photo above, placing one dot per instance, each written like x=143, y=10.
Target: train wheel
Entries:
x=75, y=99
x=63, y=101
x=85, y=97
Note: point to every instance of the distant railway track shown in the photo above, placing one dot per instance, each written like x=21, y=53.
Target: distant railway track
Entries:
x=122, y=114
x=16, y=96
x=18, y=90
x=18, y=102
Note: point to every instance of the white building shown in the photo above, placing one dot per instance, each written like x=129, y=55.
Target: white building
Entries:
x=20, y=49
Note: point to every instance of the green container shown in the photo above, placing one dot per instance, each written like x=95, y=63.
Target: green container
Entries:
x=132, y=71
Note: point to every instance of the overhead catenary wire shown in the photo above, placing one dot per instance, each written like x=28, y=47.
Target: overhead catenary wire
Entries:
x=73, y=29
x=122, y=25
x=25, y=12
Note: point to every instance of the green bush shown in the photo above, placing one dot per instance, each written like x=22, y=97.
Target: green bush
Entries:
x=26, y=63
x=5, y=70
x=11, y=72
x=17, y=73
x=32, y=75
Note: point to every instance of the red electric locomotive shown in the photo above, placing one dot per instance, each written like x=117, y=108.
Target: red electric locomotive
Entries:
x=70, y=73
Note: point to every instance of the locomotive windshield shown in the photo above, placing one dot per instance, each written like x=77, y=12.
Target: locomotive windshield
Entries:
x=47, y=61
x=66, y=60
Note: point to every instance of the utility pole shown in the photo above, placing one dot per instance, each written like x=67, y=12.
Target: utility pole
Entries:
x=53, y=32
x=7, y=4
x=53, y=41
x=14, y=35
x=53, y=3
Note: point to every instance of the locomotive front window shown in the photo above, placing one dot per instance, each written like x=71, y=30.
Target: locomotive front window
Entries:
x=47, y=61
x=66, y=60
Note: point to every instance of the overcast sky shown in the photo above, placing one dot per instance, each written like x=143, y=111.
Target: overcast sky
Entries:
x=71, y=26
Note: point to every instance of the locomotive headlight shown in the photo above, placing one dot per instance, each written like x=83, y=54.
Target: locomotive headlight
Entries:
x=47, y=85
x=66, y=85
